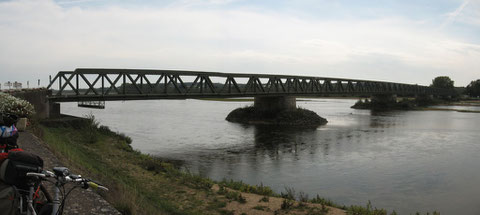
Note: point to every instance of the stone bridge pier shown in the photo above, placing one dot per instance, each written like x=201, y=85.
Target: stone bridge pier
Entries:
x=276, y=110
x=274, y=104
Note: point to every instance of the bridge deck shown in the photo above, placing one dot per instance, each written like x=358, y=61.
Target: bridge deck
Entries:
x=134, y=84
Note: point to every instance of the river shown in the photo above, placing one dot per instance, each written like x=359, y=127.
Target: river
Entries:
x=404, y=160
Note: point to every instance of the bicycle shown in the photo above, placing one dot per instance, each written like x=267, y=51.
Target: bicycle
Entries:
x=55, y=205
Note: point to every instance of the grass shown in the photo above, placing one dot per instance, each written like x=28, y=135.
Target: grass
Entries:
x=327, y=202
x=287, y=204
x=242, y=187
x=139, y=183
x=264, y=199
x=260, y=208
x=370, y=210
x=236, y=196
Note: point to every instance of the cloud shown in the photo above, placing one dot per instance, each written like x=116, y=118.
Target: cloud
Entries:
x=200, y=3
x=67, y=2
x=41, y=37
x=453, y=15
x=467, y=13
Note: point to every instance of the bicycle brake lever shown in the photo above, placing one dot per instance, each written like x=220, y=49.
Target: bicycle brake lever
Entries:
x=85, y=185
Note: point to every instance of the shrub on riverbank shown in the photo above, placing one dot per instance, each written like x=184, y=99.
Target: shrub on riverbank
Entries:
x=15, y=106
x=402, y=104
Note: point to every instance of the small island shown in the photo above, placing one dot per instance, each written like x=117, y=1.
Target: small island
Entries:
x=385, y=103
x=291, y=117
x=374, y=104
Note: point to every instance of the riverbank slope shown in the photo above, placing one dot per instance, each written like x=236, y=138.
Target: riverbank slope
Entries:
x=141, y=184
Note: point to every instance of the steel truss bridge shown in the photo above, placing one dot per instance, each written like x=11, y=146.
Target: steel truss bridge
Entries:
x=84, y=85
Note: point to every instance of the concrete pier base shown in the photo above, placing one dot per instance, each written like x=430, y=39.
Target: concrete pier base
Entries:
x=275, y=103
x=276, y=111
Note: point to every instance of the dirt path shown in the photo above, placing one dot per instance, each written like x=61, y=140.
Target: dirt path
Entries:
x=80, y=201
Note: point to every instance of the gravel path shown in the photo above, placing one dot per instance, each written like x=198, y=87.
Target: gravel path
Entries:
x=80, y=201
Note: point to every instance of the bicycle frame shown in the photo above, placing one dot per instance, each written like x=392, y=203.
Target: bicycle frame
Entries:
x=62, y=177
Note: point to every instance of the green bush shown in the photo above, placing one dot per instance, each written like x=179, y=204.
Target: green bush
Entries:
x=91, y=129
x=236, y=196
x=287, y=204
x=242, y=187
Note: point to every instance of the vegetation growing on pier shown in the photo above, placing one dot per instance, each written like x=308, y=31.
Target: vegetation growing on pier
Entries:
x=393, y=104
x=298, y=117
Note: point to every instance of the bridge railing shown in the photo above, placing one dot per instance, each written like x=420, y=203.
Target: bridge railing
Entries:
x=124, y=84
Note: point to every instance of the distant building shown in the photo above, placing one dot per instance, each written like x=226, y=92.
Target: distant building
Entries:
x=8, y=84
x=17, y=85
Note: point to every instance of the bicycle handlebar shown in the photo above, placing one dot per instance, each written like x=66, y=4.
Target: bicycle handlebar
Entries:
x=41, y=175
x=69, y=178
x=94, y=185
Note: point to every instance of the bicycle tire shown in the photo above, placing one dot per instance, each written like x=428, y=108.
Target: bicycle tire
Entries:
x=46, y=209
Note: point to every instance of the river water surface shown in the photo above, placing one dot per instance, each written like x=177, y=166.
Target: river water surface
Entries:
x=404, y=160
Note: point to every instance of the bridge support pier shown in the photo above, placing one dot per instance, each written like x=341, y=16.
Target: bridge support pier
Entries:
x=276, y=110
x=274, y=104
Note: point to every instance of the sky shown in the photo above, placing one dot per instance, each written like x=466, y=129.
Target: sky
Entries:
x=407, y=41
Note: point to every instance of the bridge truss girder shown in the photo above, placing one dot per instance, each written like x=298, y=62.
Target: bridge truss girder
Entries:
x=124, y=84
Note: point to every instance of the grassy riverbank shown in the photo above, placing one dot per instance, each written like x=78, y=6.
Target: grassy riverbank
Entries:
x=141, y=184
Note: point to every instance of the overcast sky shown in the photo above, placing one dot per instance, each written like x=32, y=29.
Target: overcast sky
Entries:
x=410, y=41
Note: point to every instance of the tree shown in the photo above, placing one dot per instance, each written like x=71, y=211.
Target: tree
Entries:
x=443, y=82
x=473, y=89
